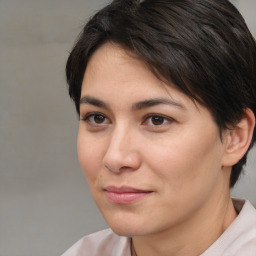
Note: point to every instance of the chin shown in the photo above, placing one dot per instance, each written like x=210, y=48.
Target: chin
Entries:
x=126, y=220
x=129, y=227
x=124, y=225
x=127, y=231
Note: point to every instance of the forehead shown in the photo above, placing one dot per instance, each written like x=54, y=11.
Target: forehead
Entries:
x=111, y=69
x=114, y=63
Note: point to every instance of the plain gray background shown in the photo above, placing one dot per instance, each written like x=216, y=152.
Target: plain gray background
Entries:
x=45, y=201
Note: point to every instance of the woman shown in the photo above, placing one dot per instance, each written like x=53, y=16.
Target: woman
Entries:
x=166, y=91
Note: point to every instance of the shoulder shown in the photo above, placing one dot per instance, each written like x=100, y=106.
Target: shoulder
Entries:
x=240, y=237
x=104, y=242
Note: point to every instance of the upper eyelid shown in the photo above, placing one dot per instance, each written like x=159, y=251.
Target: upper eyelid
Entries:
x=91, y=113
x=167, y=120
x=161, y=115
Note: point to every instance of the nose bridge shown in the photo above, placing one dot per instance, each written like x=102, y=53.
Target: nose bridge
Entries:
x=120, y=137
x=121, y=151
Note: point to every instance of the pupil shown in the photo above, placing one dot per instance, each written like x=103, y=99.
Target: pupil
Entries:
x=99, y=119
x=157, y=120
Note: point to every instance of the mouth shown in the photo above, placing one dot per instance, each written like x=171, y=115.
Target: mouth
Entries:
x=125, y=195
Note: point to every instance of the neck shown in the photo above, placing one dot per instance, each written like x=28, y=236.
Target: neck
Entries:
x=193, y=236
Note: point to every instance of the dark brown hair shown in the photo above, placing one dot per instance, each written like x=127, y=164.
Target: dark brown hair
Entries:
x=203, y=46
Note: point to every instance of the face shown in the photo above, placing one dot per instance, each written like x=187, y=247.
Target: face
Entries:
x=152, y=157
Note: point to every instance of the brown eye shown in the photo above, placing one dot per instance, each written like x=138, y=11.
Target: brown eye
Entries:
x=98, y=119
x=157, y=120
x=95, y=119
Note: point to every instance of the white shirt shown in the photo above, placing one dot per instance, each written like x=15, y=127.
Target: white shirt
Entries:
x=238, y=240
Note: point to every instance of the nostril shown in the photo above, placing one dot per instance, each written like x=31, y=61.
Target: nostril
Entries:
x=112, y=168
x=108, y=167
x=117, y=170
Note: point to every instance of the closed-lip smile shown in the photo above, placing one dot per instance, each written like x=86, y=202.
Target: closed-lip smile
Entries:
x=125, y=194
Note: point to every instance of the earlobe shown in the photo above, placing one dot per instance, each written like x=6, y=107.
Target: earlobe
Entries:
x=238, y=139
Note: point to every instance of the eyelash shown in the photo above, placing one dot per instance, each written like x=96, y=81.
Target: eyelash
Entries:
x=87, y=117
x=163, y=118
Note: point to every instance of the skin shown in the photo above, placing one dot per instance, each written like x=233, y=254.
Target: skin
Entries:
x=139, y=132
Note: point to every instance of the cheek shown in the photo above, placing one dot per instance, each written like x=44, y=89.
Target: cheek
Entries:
x=89, y=155
x=186, y=162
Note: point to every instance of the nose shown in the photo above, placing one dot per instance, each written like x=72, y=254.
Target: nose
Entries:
x=122, y=151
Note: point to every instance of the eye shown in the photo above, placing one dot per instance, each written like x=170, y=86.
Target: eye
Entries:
x=95, y=119
x=157, y=120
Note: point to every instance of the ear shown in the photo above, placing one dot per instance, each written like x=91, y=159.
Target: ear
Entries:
x=238, y=139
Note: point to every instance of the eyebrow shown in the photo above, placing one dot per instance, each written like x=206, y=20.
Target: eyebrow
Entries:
x=136, y=106
x=157, y=101
x=93, y=101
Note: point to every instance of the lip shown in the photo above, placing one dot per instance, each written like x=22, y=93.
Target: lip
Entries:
x=125, y=195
